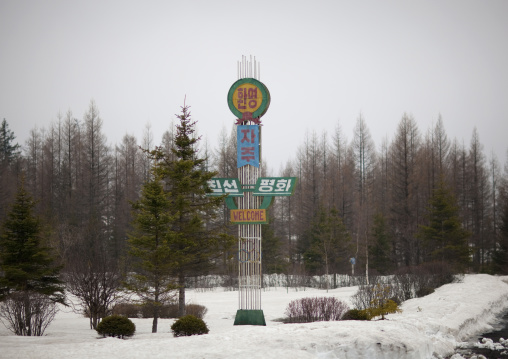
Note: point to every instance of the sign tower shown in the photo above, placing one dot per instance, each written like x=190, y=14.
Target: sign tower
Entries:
x=249, y=99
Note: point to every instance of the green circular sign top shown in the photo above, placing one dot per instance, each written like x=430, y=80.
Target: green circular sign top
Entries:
x=248, y=98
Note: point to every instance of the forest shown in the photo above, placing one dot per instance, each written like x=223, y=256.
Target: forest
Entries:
x=358, y=208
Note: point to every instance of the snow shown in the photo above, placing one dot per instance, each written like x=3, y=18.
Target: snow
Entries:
x=489, y=344
x=428, y=327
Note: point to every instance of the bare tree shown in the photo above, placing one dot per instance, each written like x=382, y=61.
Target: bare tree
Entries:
x=224, y=163
x=127, y=181
x=27, y=314
x=440, y=150
x=93, y=277
x=92, y=270
x=364, y=155
x=147, y=145
x=309, y=186
x=404, y=181
x=495, y=190
x=478, y=204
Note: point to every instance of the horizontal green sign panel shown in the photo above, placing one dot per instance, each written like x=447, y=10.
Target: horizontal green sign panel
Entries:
x=222, y=186
x=265, y=186
x=275, y=186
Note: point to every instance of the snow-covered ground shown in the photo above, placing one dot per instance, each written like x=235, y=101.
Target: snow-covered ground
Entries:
x=429, y=327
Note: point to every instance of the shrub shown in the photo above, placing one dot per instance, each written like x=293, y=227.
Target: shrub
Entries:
x=168, y=311
x=131, y=310
x=189, y=325
x=356, y=314
x=422, y=292
x=440, y=272
x=307, y=310
x=116, y=326
x=128, y=310
x=27, y=313
x=375, y=300
x=367, y=294
x=381, y=308
x=199, y=311
x=419, y=281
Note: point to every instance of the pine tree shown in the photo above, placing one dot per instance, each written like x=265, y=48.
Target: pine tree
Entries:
x=8, y=150
x=329, y=243
x=8, y=169
x=28, y=270
x=500, y=256
x=380, y=249
x=196, y=239
x=444, y=238
x=150, y=249
x=272, y=260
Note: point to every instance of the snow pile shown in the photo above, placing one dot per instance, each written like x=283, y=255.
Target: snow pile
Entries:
x=491, y=345
x=429, y=327
x=458, y=356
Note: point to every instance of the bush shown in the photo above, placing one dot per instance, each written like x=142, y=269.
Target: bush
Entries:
x=20, y=308
x=165, y=311
x=356, y=314
x=368, y=294
x=375, y=300
x=308, y=310
x=419, y=281
x=131, y=310
x=381, y=308
x=189, y=325
x=128, y=310
x=199, y=311
x=116, y=326
x=422, y=292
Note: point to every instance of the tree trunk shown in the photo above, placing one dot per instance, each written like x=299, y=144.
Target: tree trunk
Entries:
x=28, y=317
x=181, y=295
x=156, y=310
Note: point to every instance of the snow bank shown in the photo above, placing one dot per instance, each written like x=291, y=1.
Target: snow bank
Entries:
x=428, y=327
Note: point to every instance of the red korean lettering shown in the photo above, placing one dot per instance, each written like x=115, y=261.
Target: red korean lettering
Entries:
x=246, y=134
x=247, y=153
x=242, y=101
x=252, y=93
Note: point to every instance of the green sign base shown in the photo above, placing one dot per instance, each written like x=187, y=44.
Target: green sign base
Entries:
x=249, y=317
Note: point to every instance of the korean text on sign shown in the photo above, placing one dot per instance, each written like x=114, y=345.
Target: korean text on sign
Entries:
x=247, y=99
x=274, y=186
x=247, y=138
x=222, y=186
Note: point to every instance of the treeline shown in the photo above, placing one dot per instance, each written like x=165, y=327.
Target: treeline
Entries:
x=420, y=197
x=357, y=207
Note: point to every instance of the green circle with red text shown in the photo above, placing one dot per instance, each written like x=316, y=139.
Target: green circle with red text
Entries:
x=248, y=97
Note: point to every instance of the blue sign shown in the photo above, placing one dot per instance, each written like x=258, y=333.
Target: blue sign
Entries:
x=247, y=147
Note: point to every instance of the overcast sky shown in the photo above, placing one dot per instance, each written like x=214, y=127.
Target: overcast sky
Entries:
x=324, y=63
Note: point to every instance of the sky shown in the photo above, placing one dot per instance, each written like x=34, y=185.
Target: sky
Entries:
x=324, y=63
x=428, y=327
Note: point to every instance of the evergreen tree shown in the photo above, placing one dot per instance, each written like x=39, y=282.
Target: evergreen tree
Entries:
x=272, y=260
x=329, y=243
x=150, y=248
x=8, y=150
x=500, y=256
x=196, y=240
x=380, y=250
x=28, y=271
x=8, y=169
x=443, y=238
